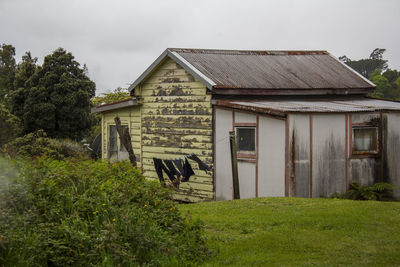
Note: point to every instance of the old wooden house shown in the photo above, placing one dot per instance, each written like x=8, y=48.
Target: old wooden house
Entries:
x=303, y=123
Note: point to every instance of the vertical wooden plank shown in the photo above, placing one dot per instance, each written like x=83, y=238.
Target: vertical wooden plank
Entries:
x=381, y=146
x=235, y=177
x=347, y=150
x=257, y=149
x=351, y=134
x=214, y=147
x=311, y=155
x=287, y=156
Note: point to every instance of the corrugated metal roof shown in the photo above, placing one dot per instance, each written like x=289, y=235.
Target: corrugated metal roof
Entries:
x=265, y=72
x=312, y=105
x=273, y=69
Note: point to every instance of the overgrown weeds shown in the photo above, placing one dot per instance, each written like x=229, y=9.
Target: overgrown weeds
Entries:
x=57, y=213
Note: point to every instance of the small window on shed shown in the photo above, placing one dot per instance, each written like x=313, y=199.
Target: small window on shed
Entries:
x=121, y=146
x=112, y=142
x=365, y=140
x=246, y=140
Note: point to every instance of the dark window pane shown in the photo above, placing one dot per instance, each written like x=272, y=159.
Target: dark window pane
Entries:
x=365, y=139
x=122, y=147
x=112, y=141
x=246, y=139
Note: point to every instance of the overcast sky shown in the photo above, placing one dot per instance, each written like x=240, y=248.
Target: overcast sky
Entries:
x=119, y=39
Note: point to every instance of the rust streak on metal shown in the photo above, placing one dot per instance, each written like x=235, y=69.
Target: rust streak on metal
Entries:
x=245, y=124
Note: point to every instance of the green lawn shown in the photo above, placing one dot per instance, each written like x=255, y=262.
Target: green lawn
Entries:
x=301, y=232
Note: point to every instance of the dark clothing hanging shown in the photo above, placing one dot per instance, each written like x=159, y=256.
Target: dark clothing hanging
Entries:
x=159, y=166
x=174, y=172
x=178, y=164
x=183, y=170
x=202, y=165
x=187, y=171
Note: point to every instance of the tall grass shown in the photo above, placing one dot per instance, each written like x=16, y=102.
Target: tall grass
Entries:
x=57, y=213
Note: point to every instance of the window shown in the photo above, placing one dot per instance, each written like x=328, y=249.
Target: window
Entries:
x=246, y=140
x=116, y=150
x=121, y=146
x=112, y=142
x=365, y=140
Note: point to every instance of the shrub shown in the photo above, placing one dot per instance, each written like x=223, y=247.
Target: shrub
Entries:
x=57, y=213
x=378, y=191
x=38, y=144
x=10, y=126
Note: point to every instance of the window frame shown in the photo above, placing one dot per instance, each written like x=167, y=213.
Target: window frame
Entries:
x=245, y=153
x=366, y=153
x=120, y=147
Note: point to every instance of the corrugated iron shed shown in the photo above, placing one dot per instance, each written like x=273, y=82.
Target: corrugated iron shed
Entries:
x=281, y=107
x=266, y=72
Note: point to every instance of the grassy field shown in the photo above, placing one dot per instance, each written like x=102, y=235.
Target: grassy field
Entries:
x=301, y=232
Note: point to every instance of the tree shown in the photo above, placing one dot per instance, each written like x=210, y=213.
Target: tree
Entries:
x=56, y=97
x=22, y=82
x=376, y=69
x=7, y=69
x=10, y=126
x=383, y=86
x=118, y=94
x=367, y=66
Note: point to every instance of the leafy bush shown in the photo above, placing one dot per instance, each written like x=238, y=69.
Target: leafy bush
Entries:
x=378, y=191
x=57, y=213
x=10, y=126
x=38, y=144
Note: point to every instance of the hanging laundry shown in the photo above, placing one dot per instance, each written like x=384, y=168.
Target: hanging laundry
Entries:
x=171, y=168
x=178, y=164
x=202, y=165
x=187, y=171
x=180, y=172
x=159, y=166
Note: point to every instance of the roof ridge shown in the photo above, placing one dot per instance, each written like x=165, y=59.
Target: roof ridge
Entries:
x=248, y=52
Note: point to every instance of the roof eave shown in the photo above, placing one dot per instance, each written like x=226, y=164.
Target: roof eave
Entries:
x=116, y=105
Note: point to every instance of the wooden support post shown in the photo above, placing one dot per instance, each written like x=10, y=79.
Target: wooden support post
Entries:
x=125, y=139
x=235, y=175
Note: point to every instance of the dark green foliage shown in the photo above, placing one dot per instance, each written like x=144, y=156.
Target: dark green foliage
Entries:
x=10, y=126
x=116, y=95
x=22, y=82
x=86, y=213
x=378, y=191
x=384, y=87
x=54, y=97
x=375, y=68
x=367, y=66
x=7, y=70
x=38, y=144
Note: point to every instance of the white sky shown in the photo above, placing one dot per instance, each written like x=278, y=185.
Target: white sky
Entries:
x=119, y=39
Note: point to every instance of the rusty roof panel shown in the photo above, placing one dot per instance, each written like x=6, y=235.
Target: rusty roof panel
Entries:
x=285, y=70
x=312, y=105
